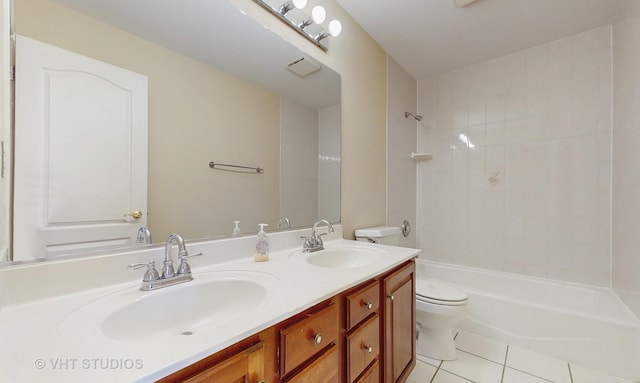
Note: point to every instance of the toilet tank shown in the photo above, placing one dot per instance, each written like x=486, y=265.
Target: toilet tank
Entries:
x=385, y=235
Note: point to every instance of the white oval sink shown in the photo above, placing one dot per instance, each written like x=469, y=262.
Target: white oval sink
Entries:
x=210, y=300
x=344, y=257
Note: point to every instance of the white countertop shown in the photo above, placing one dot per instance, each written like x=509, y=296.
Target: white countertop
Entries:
x=42, y=343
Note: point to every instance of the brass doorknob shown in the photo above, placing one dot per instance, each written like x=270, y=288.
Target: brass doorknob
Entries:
x=136, y=214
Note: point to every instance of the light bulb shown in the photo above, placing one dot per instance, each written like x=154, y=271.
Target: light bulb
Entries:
x=318, y=14
x=335, y=28
x=299, y=3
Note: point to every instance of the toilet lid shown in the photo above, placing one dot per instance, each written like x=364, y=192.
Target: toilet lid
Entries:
x=434, y=290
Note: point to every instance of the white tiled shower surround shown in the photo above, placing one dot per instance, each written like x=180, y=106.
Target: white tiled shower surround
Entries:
x=521, y=175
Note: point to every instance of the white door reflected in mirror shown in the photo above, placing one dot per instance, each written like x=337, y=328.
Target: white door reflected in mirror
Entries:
x=81, y=132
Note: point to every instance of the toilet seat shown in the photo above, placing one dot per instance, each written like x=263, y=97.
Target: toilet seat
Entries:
x=440, y=293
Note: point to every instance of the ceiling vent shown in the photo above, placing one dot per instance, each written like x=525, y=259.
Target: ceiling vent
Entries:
x=303, y=66
x=462, y=3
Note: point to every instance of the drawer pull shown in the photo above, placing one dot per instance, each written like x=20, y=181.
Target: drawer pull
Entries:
x=391, y=297
x=367, y=305
x=262, y=381
x=368, y=349
x=317, y=339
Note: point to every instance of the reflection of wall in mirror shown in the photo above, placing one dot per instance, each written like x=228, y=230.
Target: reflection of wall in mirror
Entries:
x=187, y=99
x=329, y=163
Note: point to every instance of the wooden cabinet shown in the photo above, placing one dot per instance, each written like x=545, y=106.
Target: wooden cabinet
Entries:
x=363, y=335
x=251, y=360
x=362, y=303
x=308, y=337
x=371, y=375
x=362, y=332
x=246, y=366
x=362, y=347
x=399, y=324
x=321, y=370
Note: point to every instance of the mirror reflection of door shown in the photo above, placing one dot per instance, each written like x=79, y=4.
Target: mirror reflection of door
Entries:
x=80, y=153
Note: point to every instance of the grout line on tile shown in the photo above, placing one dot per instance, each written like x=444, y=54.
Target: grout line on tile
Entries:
x=479, y=356
x=504, y=365
x=436, y=373
x=449, y=372
x=530, y=374
x=570, y=374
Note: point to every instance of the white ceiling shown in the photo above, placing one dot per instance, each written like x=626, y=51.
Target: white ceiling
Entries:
x=217, y=33
x=432, y=36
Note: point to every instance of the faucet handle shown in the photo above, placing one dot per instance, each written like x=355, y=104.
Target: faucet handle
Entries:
x=319, y=239
x=151, y=274
x=183, y=267
x=307, y=242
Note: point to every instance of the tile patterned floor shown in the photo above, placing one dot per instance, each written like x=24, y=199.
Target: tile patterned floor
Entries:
x=483, y=360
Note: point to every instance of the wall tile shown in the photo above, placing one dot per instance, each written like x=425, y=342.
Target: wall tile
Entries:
x=535, y=162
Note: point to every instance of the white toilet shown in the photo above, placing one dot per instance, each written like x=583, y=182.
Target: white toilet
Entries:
x=439, y=305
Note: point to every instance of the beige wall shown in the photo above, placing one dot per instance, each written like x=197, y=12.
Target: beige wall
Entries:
x=362, y=64
x=196, y=115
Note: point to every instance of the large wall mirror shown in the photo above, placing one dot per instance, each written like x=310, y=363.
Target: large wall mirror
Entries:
x=218, y=89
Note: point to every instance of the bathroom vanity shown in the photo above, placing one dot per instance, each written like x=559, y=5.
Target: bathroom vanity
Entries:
x=364, y=334
x=342, y=314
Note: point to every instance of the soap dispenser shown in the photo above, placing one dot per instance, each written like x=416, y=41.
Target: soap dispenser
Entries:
x=236, y=229
x=262, y=245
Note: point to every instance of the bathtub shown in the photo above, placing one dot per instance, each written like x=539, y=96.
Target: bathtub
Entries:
x=582, y=324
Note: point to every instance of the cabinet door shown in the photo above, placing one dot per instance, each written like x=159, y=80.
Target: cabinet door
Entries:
x=245, y=367
x=399, y=325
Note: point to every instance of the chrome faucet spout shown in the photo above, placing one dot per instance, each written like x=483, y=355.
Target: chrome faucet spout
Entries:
x=315, y=225
x=314, y=242
x=286, y=222
x=144, y=236
x=167, y=269
x=169, y=277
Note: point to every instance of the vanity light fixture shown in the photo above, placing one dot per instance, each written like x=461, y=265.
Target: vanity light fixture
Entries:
x=311, y=27
x=289, y=5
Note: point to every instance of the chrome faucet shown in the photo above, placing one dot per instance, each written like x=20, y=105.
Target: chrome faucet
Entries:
x=152, y=280
x=314, y=242
x=144, y=236
x=285, y=220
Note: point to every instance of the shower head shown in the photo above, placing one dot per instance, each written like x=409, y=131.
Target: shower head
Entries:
x=416, y=116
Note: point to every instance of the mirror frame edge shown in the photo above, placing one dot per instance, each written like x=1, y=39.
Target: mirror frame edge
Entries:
x=6, y=130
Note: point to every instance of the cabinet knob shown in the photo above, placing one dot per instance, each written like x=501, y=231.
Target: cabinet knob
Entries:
x=317, y=339
x=368, y=349
x=367, y=305
x=262, y=381
x=391, y=297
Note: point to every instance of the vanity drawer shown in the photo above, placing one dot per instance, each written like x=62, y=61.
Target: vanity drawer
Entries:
x=307, y=337
x=363, y=347
x=372, y=375
x=323, y=369
x=362, y=303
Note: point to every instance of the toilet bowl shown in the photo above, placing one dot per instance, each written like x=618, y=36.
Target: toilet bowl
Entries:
x=439, y=307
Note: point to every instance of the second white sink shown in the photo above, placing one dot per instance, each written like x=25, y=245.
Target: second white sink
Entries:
x=344, y=257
